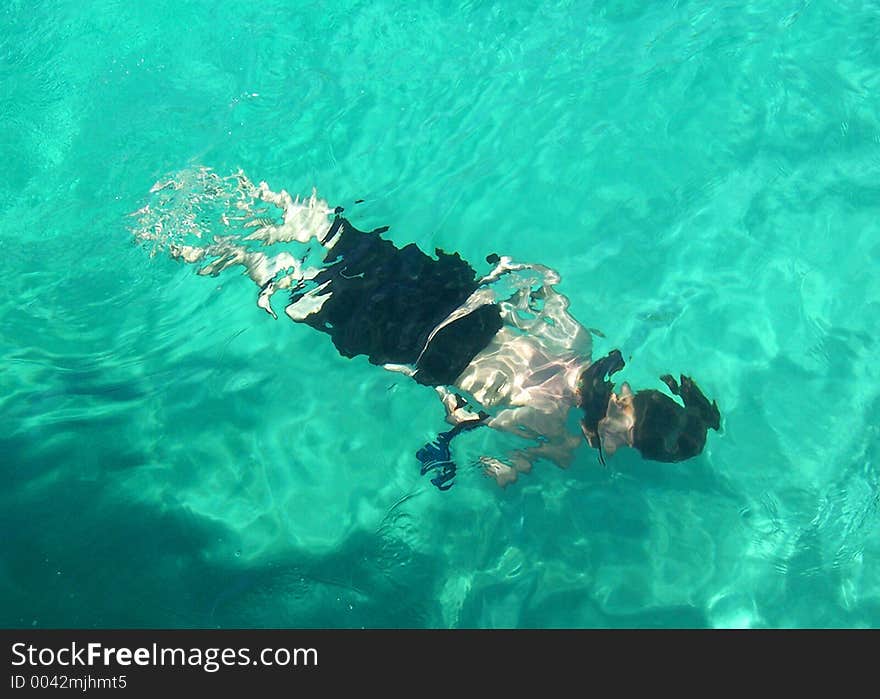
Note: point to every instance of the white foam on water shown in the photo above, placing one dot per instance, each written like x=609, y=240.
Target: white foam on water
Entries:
x=225, y=221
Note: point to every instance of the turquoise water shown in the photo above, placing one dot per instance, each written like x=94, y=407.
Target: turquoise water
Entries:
x=702, y=174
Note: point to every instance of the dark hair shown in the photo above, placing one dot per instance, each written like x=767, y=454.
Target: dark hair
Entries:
x=594, y=392
x=666, y=431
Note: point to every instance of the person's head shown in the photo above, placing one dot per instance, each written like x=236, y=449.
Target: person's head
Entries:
x=666, y=431
x=650, y=421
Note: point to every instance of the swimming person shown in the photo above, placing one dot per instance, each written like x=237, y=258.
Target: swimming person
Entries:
x=501, y=351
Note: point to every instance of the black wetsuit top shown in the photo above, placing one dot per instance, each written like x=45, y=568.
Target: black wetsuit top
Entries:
x=385, y=301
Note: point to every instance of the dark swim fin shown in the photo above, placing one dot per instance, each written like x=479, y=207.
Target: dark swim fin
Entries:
x=436, y=455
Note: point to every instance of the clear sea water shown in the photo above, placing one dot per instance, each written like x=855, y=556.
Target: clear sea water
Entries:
x=704, y=176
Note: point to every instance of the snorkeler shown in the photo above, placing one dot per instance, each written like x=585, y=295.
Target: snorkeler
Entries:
x=501, y=351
